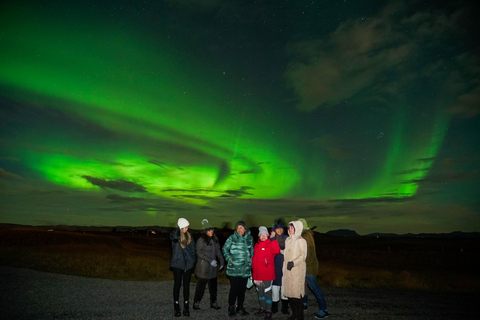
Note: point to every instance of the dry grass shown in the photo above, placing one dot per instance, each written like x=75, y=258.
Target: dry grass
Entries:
x=100, y=256
x=430, y=265
x=342, y=263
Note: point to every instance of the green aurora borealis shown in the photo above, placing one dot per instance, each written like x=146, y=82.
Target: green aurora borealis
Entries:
x=120, y=114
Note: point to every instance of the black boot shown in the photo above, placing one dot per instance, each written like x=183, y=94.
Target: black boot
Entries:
x=186, y=312
x=285, y=307
x=176, y=306
x=241, y=311
x=300, y=307
x=274, y=307
x=214, y=305
x=268, y=315
x=196, y=305
x=297, y=306
x=231, y=311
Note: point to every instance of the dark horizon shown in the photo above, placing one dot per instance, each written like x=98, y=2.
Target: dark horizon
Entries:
x=335, y=233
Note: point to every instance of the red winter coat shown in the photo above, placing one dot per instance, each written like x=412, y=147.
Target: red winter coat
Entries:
x=263, y=266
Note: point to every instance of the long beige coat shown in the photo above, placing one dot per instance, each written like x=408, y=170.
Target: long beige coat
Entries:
x=296, y=251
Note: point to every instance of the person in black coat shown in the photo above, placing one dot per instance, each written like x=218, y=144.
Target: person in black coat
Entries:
x=277, y=292
x=182, y=264
x=209, y=257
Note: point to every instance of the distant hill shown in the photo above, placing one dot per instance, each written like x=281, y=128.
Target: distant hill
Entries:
x=225, y=231
x=343, y=233
x=455, y=234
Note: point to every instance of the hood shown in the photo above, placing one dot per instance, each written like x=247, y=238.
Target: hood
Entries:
x=298, y=227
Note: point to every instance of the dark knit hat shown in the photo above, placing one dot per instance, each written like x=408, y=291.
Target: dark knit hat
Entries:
x=241, y=223
x=278, y=224
x=206, y=225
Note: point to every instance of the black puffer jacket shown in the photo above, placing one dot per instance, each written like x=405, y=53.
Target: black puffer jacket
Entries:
x=208, y=249
x=182, y=258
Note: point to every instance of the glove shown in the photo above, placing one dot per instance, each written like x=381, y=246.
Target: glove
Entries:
x=213, y=263
x=221, y=267
x=289, y=265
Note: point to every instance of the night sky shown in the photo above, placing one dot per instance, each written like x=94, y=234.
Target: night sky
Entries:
x=360, y=115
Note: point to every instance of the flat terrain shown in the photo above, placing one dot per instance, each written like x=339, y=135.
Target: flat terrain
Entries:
x=30, y=294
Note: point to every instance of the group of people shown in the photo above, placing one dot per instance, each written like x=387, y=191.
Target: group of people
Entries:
x=280, y=266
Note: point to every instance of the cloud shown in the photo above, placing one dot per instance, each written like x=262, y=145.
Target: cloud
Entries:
x=448, y=177
x=240, y=192
x=119, y=198
x=8, y=175
x=468, y=105
x=364, y=58
x=195, y=5
x=333, y=146
x=122, y=185
x=410, y=171
x=372, y=200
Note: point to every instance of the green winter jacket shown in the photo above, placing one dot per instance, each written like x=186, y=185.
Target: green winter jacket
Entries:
x=238, y=253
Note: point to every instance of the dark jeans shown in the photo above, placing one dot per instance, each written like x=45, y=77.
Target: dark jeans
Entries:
x=178, y=275
x=311, y=281
x=200, y=289
x=238, y=286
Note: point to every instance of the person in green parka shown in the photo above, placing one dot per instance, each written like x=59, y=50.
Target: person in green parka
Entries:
x=238, y=253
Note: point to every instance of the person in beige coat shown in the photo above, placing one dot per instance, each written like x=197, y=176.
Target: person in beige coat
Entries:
x=294, y=269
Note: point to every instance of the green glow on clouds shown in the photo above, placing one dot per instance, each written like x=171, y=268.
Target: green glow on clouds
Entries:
x=117, y=79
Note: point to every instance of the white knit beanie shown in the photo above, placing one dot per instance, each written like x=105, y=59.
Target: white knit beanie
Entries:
x=261, y=230
x=182, y=223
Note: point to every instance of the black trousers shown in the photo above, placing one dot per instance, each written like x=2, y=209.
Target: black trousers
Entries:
x=200, y=289
x=238, y=286
x=296, y=305
x=178, y=276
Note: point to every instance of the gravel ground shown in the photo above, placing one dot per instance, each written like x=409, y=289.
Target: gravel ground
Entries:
x=29, y=294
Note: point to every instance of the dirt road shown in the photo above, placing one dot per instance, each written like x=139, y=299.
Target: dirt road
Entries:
x=28, y=294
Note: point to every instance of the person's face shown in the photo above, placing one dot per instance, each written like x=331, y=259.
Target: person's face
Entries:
x=210, y=233
x=279, y=231
x=185, y=229
x=291, y=230
x=263, y=237
x=240, y=230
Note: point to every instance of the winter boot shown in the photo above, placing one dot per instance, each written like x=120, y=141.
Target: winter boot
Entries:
x=186, y=312
x=285, y=306
x=274, y=307
x=241, y=311
x=296, y=305
x=176, y=306
x=260, y=313
x=300, y=310
x=231, y=311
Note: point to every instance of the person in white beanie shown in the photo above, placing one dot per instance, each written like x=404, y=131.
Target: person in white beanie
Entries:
x=182, y=264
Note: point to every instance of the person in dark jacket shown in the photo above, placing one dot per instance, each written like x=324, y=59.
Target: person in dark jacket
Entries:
x=238, y=253
x=182, y=264
x=278, y=232
x=312, y=273
x=208, y=256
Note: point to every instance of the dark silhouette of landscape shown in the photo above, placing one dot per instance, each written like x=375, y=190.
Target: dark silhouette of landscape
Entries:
x=430, y=263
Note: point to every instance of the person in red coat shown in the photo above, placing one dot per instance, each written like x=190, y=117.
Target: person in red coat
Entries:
x=263, y=270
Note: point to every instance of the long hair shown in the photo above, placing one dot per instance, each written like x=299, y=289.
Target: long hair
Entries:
x=185, y=238
x=208, y=239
